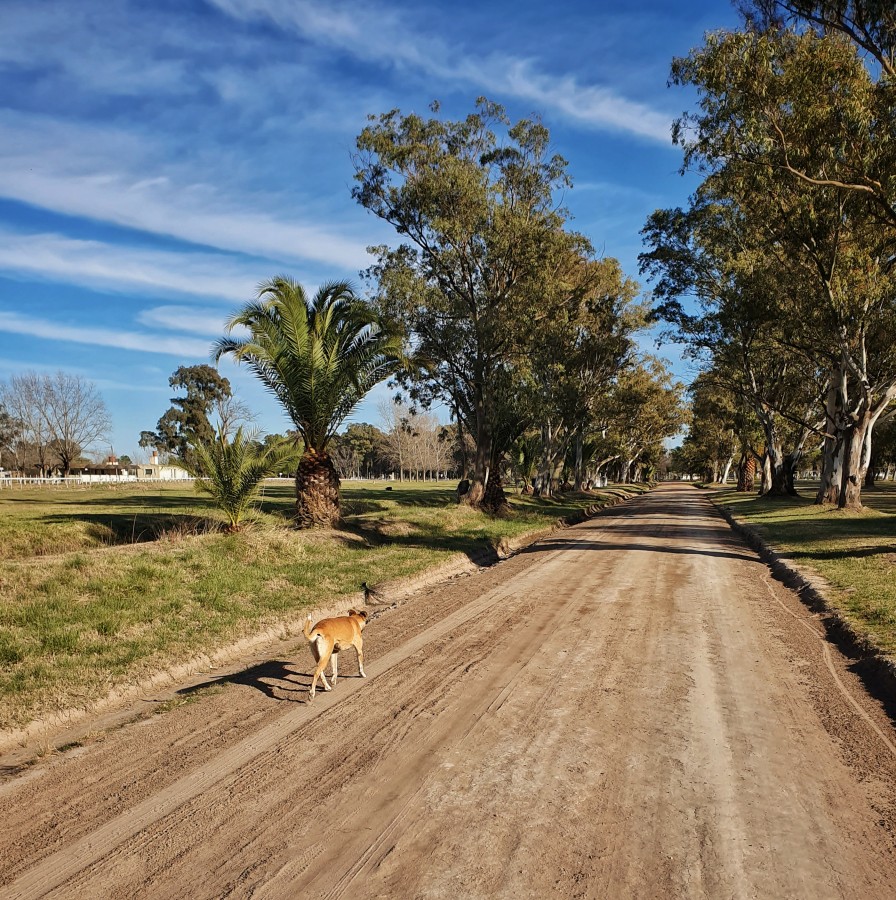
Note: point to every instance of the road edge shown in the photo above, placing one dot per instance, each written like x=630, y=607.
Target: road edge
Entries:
x=876, y=669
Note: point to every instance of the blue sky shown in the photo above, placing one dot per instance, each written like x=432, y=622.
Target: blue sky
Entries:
x=158, y=160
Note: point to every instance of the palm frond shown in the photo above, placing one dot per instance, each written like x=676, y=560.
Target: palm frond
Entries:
x=318, y=356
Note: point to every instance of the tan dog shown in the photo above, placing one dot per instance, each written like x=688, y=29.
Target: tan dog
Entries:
x=330, y=636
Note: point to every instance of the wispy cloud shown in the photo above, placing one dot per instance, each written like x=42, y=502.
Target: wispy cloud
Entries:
x=126, y=269
x=96, y=172
x=144, y=342
x=184, y=318
x=379, y=35
x=13, y=367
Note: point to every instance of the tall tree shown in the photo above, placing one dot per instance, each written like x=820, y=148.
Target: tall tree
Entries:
x=484, y=233
x=319, y=357
x=76, y=415
x=645, y=409
x=748, y=325
x=187, y=420
x=573, y=359
x=796, y=127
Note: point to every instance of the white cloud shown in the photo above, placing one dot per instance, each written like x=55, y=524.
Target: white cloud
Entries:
x=126, y=269
x=100, y=336
x=99, y=173
x=379, y=35
x=184, y=318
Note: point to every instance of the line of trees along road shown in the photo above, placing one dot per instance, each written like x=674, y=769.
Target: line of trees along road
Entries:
x=517, y=327
x=780, y=275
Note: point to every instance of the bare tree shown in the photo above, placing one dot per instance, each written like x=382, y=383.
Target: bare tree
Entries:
x=23, y=398
x=411, y=441
x=397, y=434
x=62, y=415
x=77, y=415
x=232, y=414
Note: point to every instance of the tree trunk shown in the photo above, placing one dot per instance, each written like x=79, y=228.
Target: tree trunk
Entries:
x=580, y=468
x=481, y=459
x=856, y=457
x=831, y=469
x=832, y=447
x=494, y=499
x=727, y=471
x=746, y=476
x=317, y=491
x=765, y=481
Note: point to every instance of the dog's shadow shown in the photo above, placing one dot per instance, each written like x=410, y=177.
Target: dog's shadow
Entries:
x=279, y=679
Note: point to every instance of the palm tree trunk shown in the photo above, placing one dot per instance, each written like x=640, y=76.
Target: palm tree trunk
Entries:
x=317, y=491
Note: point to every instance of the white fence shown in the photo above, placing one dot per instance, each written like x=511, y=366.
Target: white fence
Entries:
x=10, y=481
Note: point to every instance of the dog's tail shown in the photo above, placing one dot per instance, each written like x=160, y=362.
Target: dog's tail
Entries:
x=308, y=631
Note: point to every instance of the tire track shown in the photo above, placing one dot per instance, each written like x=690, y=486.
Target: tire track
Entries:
x=68, y=861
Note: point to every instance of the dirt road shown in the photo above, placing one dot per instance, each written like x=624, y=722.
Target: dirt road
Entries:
x=631, y=708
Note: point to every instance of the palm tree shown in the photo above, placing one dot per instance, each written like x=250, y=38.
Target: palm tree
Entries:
x=319, y=358
x=230, y=469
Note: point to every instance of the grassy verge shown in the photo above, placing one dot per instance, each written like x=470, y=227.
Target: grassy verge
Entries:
x=855, y=552
x=81, y=618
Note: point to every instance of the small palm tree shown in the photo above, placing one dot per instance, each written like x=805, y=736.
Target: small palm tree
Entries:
x=319, y=357
x=230, y=469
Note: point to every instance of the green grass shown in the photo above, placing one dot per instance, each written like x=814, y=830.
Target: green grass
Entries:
x=81, y=617
x=49, y=520
x=854, y=551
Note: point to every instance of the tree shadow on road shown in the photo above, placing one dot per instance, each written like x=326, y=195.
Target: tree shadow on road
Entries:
x=549, y=545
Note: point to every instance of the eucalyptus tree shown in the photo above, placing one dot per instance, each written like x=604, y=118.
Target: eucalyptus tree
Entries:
x=483, y=236
x=722, y=288
x=869, y=24
x=573, y=359
x=319, y=356
x=188, y=418
x=712, y=428
x=796, y=128
x=646, y=407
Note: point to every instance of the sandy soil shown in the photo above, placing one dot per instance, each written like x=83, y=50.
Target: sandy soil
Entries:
x=631, y=708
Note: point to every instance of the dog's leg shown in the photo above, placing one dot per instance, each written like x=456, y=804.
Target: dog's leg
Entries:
x=359, y=649
x=324, y=657
x=333, y=659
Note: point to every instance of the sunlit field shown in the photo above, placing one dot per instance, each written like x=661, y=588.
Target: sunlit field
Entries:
x=102, y=586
